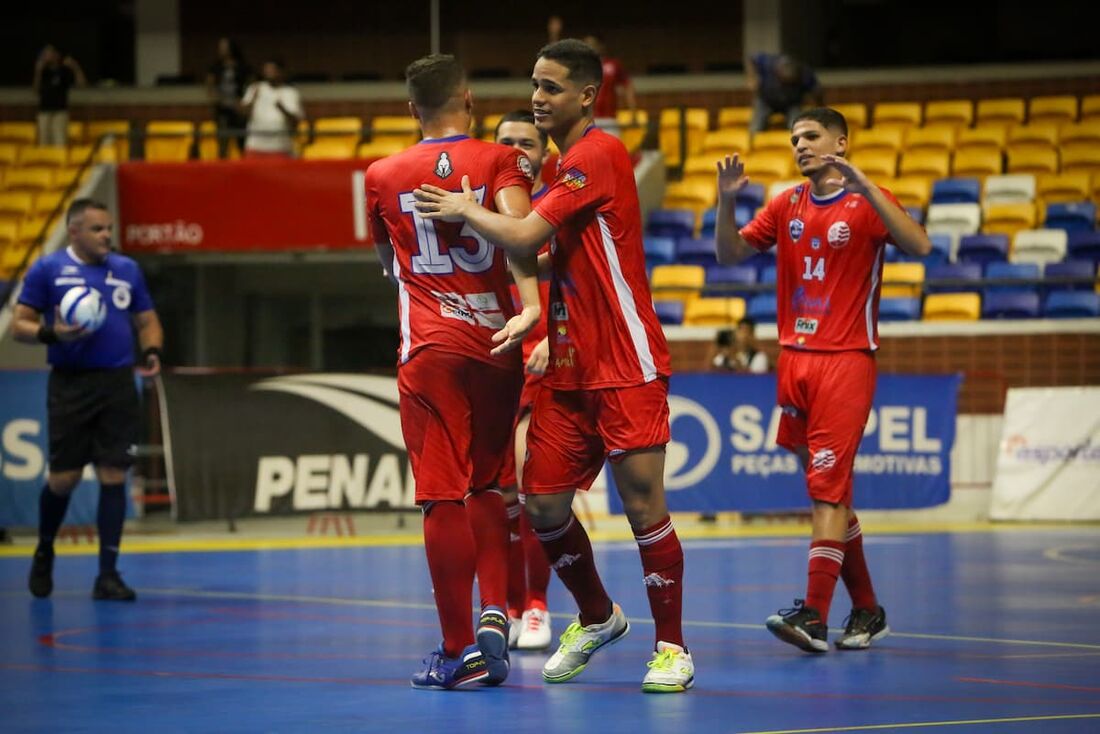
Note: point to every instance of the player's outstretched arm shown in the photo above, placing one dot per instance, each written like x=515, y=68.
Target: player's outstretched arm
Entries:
x=385, y=256
x=904, y=232
x=730, y=247
x=515, y=202
x=515, y=236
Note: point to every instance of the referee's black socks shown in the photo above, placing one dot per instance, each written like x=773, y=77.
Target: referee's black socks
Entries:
x=51, y=512
x=110, y=516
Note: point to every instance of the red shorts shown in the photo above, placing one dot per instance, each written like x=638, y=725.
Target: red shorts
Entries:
x=456, y=417
x=532, y=385
x=826, y=397
x=573, y=431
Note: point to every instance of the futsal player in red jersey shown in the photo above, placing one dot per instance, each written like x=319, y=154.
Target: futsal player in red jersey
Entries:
x=605, y=392
x=830, y=235
x=459, y=372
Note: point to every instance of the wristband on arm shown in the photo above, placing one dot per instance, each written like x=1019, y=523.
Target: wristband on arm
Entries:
x=46, y=335
x=150, y=352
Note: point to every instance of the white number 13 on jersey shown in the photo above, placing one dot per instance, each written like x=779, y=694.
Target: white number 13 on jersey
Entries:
x=431, y=260
x=813, y=269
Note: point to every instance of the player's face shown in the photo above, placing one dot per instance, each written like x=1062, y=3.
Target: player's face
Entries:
x=558, y=101
x=810, y=140
x=90, y=234
x=524, y=137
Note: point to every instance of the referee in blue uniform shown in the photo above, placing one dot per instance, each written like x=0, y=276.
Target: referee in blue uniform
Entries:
x=92, y=399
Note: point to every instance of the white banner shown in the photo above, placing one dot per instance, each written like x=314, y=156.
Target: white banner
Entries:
x=1048, y=465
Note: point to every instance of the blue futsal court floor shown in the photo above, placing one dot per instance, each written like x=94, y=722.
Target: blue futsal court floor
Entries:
x=994, y=631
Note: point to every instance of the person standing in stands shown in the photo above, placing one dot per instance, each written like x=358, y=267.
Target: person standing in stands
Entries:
x=226, y=82
x=617, y=89
x=54, y=76
x=274, y=109
x=779, y=84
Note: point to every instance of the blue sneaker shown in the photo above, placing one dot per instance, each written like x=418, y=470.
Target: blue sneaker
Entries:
x=492, y=640
x=441, y=673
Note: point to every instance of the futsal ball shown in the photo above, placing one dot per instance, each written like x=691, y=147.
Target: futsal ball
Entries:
x=83, y=306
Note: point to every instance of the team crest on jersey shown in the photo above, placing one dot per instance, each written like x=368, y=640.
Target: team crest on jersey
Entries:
x=524, y=164
x=574, y=179
x=443, y=167
x=795, y=227
x=839, y=234
x=815, y=243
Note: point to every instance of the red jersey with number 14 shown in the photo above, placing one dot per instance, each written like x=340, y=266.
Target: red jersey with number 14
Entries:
x=452, y=283
x=829, y=255
x=602, y=327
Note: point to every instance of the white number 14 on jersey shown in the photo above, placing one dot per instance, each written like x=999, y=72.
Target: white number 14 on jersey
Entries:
x=813, y=269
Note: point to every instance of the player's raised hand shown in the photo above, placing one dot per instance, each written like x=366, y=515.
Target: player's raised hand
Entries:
x=851, y=178
x=514, y=332
x=540, y=357
x=433, y=202
x=731, y=175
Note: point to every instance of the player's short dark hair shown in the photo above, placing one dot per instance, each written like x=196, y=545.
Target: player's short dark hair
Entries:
x=432, y=80
x=79, y=206
x=578, y=57
x=523, y=116
x=827, y=116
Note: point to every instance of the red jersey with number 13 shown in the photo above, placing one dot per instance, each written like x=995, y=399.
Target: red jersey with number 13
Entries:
x=452, y=283
x=829, y=255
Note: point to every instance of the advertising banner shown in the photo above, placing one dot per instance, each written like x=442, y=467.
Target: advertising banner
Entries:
x=1048, y=464
x=723, y=455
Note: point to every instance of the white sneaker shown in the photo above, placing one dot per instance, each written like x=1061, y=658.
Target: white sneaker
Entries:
x=514, y=628
x=534, y=631
x=578, y=643
x=670, y=671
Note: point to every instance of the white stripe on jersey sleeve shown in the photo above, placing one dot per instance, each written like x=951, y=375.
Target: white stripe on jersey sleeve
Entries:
x=626, y=304
x=403, y=301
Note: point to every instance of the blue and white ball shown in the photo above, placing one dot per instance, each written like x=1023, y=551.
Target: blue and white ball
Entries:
x=83, y=306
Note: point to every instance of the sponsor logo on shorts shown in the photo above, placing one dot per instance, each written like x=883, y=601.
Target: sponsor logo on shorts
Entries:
x=805, y=326
x=795, y=227
x=839, y=234
x=823, y=460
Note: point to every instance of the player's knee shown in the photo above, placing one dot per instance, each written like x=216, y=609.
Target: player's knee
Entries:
x=110, y=474
x=63, y=483
x=546, y=511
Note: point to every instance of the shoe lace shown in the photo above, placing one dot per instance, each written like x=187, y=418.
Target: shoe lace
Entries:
x=663, y=660
x=572, y=635
x=799, y=604
x=534, y=622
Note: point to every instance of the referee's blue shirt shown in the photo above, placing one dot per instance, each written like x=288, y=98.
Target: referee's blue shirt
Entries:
x=122, y=286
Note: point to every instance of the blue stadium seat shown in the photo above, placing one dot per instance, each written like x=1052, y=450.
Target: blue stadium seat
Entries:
x=967, y=278
x=941, y=249
x=670, y=312
x=753, y=195
x=1077, y=216
x=659, y=250
x=983, y=248
x=722, y=279
x=671, y=223
x=1010, y=305
x=916, y=213
x=760, y=260
x=762, y=308
x=957, y=191
x=899, y=309
x=1012, y=271
x=1072, y=305
x=767, y=274
x=710, y=222
x=743, y=214
x=1069, y=269
x=1084, y=246
x=695, y=251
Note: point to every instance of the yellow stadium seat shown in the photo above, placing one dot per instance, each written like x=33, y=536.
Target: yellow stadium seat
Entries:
x=169, y=141
x=1032, y=159
x=13, y=253
x=772, y=140
x=78, y=154
x=76, y=132
x=632, y=127
x=489, y=125
x=769, y=167
x=380, y=148
x=952, y=307
x=695, y=120
x=1090, y=107
x=65, y=176
x=855, y=114
x=32, y=227
x=1009, y=218
x=1043, y=135
x=1057, y=109
x=9, y=154
x=952, y=112
x=16, y=204
x=46, y=202
x=977, y=163
x=897, y=113
x=1008, y=111
x=887, y=138
x=696, y=195
x=20, y=133
x=702, y=168
x=120, y=129
x=985, y=137
x=1096, y=187
x=738, y=117
x=714, y=311
x=208, y=143
x=726, y=142
x=9, y=232
x=902, y=280
x=42, y=155
x=938, y=137
x=29, y=179
x=1080, y=135
x=925, y=163
x=347, y=130
x=876, y=163
x=1081, y=159
x=1061, y=187
x=912, y=190
x=329, y=149
x=400, y=128
x=677, y=282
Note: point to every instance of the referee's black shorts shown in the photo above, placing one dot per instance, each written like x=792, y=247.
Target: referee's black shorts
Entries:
x=93, y=418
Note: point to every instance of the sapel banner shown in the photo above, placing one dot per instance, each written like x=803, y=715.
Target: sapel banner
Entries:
x=723, y=454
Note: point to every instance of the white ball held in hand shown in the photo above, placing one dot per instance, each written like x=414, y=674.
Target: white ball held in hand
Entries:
x=83, y=306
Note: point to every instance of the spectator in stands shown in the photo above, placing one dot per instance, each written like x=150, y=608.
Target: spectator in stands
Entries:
x=616, y=89
x=54, y=76
x=274, y=109
x=779, y=84
x=553, y=28
x=226, y=82
x=737, y=351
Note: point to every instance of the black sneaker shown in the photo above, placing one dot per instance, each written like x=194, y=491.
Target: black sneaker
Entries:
x=109, y=586
x=41, y=578
x=800, y=626
x=862, y=627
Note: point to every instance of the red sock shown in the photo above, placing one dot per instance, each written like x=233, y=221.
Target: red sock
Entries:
x=451, y=552
x=489, y=523
x=538, y=568
x=854, y=571
x=569, y=552
x=663, y=566
x=826, y=558
x=517, y=571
